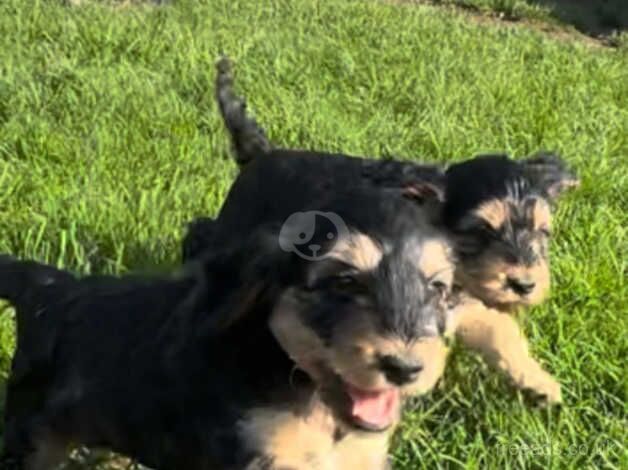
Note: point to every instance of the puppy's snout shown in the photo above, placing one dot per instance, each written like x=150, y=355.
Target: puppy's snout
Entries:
x=520, y=286
x=398, y=370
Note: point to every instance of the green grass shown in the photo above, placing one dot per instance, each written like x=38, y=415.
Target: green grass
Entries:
x=110, y=141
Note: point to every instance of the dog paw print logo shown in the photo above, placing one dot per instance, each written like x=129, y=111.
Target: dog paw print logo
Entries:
x=312, y=234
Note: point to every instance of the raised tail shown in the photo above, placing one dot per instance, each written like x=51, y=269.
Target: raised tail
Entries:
x=25, y=284
x=248, y=138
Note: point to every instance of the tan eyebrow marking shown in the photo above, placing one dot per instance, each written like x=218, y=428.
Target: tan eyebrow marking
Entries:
x=494, y=212
x=358, y=250
x=541, y=215
x=435, y=258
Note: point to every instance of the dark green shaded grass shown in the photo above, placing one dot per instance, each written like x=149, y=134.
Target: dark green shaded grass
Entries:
x=511, y=9
x=601, y=19
x=110, y=141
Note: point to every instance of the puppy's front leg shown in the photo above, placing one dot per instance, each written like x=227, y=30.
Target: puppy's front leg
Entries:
x=362, y=452
x=498, y=338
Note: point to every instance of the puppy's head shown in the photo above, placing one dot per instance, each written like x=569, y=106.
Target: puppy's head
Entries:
x=363, y=315
x=499, y=211
x=365, y=320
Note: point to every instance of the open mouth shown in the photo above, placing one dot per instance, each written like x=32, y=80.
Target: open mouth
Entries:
x=373, y=410
x=363, y=409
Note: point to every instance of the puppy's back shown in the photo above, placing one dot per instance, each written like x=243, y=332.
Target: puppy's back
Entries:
x=60, y=316
x=29, y=286
x=280, y=183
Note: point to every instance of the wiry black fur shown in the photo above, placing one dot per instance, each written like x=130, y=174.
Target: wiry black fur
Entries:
x=274, y=184
x=505, y=267
x=111, y=375
x=162, y=369
x=248, y=138
x=198, y=238
x=518, y=183
x=30, y=287
x=486, y=177
x=403, y=321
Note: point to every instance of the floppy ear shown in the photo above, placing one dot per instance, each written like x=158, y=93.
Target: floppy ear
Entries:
x=420, y=182
x=549, y=173
x=236, y=307
x=423, y=191
x=242, y=278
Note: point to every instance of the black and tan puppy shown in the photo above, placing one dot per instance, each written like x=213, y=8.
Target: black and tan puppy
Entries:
x=253, y=357
x=498, y=213
x=496, y=209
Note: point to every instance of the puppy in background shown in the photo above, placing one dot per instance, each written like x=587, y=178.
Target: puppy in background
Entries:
x=501, y=224
x=496, y=210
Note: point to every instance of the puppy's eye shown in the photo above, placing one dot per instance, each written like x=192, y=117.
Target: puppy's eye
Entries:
x=328, y=273
x=480, y=232
x=350, y=286
x=545, y=231
x=485, y=229
x=344, y=282
x=439, y=286
x=341, y=282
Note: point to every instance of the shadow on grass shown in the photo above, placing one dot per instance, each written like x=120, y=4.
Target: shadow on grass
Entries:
x=601, y=19
x=592, y=17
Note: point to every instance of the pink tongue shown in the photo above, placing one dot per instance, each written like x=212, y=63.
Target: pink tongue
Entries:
x=377, y=409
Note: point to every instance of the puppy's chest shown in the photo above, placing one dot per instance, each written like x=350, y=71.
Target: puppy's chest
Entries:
x=283, y=440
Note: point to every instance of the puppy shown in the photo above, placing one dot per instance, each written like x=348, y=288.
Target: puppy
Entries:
x=497, y=210
x=500, y=223
x=254, y=357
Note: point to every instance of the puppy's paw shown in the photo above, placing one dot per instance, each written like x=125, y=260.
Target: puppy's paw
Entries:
x=543, y=388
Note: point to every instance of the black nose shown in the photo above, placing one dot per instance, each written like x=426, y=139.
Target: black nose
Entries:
x=520, y=286
x=399, y=371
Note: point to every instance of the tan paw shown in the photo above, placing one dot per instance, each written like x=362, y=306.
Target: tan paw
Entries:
x=543, y=387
